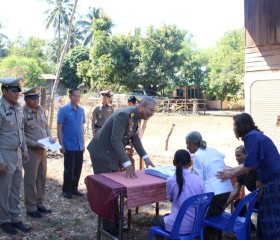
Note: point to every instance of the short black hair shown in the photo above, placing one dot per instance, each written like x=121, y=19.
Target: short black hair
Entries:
x=73, y=90
x=132, y=99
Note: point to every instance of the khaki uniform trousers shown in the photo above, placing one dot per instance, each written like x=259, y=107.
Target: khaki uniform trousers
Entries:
x=10, y=186
x=35, y=171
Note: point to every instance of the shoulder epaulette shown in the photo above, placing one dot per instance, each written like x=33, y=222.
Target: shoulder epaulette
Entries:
x=131, y=115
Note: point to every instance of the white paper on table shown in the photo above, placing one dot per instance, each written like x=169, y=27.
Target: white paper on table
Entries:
x=47, y=144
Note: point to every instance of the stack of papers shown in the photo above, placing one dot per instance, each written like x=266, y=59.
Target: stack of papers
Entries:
x=162, y=172
x=47, y=144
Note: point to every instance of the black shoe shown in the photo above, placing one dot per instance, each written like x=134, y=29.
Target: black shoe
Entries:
x=21, y=227
x=35, y=214
x=67, y=195
x=77, y=193
x=44, y=210
x=7, y=227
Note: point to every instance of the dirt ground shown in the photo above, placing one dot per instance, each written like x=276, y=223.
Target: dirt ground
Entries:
x=73, y=219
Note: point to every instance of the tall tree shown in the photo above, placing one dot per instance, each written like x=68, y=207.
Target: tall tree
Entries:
x=225, y=79
x=130, y=60
x=61, y=60
x=3, y=44
x=86, y=23
x=161, y=56
x=69, y=68
x=58, y=17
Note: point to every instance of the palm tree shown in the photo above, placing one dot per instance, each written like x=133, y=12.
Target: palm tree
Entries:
x=86, y=23
x=76, y=37
x=58, y=17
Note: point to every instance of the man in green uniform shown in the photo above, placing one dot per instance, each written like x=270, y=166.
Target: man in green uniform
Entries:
x=13, y=152
x=35, y=170
x=102, y=112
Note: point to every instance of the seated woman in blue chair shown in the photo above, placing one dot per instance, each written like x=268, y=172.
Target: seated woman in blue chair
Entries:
x=206, y=163
x=249, y=180
x=179, y=187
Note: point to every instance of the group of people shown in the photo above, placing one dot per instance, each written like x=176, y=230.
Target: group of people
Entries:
x=198, y=169
x=204, y=164
x=258, y=159
x=70, y=134
x=20, y=130
x=259, y=167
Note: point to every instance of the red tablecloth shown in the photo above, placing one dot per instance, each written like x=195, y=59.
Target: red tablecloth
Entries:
x=102, y=189
x=144, y=189
x=101, y=192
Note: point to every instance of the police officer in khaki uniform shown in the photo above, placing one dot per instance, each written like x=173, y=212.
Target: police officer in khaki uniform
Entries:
x=35, y=170
x=13, y=152
x=102, y=112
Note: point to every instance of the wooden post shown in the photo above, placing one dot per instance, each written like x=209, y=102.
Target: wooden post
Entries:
x=167, y=139
x=195, y=105
x=43, y=99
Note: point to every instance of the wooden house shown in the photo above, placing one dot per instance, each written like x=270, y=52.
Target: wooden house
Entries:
x=262, y=65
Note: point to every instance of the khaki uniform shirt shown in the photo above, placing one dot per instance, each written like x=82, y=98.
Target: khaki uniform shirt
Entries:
x=11, y=127
x=35, y=125
x=99, y=115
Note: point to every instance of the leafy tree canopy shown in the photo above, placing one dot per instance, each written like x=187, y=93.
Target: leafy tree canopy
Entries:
x=27, y=68
x=69, y=67
x=31, y=48
x=152, y=61
x=226, y=64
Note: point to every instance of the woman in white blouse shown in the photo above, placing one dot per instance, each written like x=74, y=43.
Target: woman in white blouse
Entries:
x=206, y=163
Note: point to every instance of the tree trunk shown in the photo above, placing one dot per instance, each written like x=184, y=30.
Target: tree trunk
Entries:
x=64, y=51
x=58, y=48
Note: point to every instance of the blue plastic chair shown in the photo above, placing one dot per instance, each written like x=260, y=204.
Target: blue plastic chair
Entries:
x=200, y=203
x=231, y=222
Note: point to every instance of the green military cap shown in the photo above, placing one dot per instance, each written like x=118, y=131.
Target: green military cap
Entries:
x=14, y=84
x=33, y=93
x=106, y=93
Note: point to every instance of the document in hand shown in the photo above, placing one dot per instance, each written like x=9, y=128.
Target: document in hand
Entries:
x=162, y=172
x=47, y=144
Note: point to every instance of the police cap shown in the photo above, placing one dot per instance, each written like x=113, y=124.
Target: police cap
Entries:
x=33, y=93
x=14, y=84
x=106, y=93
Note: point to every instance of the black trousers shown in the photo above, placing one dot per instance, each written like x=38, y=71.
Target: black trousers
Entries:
x=73, y=161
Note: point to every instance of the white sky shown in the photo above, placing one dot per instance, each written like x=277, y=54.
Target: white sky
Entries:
x=207, y=20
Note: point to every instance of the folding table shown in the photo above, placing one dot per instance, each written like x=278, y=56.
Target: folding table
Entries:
x=103, y=189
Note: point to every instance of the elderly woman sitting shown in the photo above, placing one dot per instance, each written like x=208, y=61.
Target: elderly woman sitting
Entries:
x=206, y=163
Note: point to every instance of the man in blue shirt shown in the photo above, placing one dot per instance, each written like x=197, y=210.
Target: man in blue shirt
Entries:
x=70, y=134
